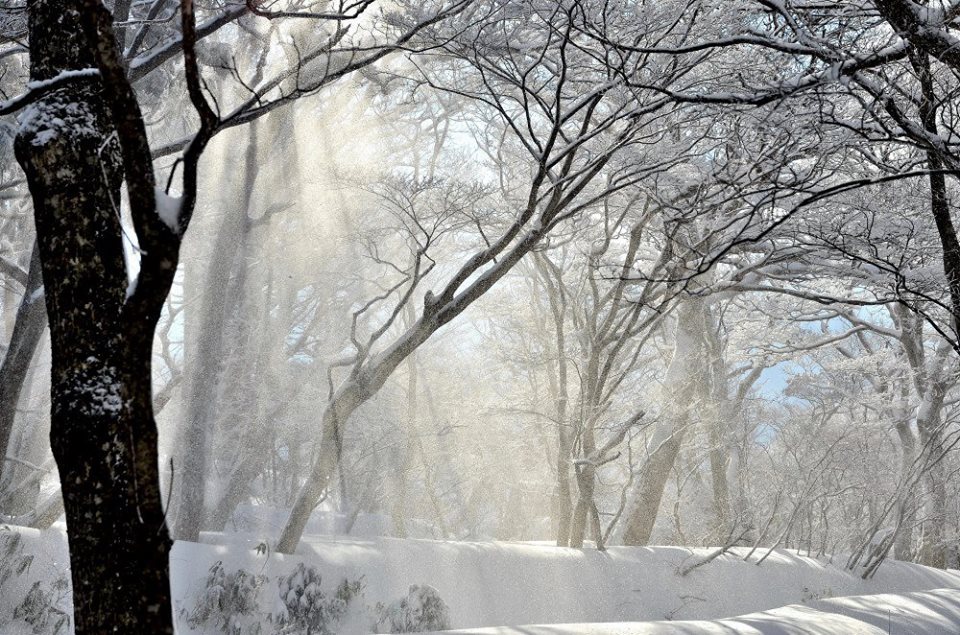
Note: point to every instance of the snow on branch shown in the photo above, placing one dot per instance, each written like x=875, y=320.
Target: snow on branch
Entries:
x=37, y=89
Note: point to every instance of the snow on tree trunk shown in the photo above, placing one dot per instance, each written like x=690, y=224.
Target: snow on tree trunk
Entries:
x=102, y=433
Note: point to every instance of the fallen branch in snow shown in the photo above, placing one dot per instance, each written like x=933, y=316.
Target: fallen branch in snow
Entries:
x=713, y=555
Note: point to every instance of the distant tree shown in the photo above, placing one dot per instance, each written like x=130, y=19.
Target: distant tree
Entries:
x=547, y=100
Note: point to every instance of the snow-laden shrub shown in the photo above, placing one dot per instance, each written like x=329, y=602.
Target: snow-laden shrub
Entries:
x=40, y=607
x=13, y=562
x=310, y=611
x=811, y=595
x=44, y=606
x=236, y=604
x=229, y=603
x=421, y=610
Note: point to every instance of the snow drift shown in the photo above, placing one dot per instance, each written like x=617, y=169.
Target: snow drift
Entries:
x=500, y=587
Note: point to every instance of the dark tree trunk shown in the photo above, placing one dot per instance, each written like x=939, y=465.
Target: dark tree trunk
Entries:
x=102, y=431
x=931, y=429
x=939, y=203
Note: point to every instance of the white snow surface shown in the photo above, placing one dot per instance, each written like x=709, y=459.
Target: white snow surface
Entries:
x=935, y=612
x=499, y=588
x=511, y=584
x=168, y=209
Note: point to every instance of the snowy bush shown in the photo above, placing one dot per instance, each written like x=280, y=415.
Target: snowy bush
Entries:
x=229, y=602
x=45, y=606
x=309, y=610
x=233, y=603
x=421, y=610
x=40, y=607
x=13, y=563
x=811, y=595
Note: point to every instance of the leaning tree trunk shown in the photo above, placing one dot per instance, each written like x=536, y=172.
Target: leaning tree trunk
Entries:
x=348, y=399
x=668, y=435
x=102, y=430
x=28, y=449
x=27, y=330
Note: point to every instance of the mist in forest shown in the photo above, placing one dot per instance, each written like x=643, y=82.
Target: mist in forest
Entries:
x=574, y=275
x=594, y=392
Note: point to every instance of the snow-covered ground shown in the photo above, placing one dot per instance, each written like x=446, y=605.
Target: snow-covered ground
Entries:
x=490, y=583
x=935, y=612
x=491, y=587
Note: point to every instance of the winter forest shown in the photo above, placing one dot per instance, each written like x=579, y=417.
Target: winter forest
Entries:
x=479, y=316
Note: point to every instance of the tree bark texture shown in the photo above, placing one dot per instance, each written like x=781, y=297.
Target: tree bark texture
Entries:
x=102, y=432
